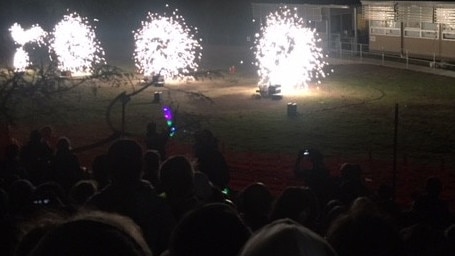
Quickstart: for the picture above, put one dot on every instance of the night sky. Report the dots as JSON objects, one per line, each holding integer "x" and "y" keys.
{"x": 218, "y": 21}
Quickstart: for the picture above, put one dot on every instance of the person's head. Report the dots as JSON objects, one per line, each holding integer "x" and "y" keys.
{"x": 176, "y": 176}
{"x": 364, "y": 222}
{"x": 124, "y": 159}
{"x": 63, "y": 144}
{"x": 46, "y": 132}
{"x": 152, "y": 162}
{"x": 20, "y": 194}
{"x": 286, "y": 237}
{"x": 93, "y": 233}
{"x": 82, "y": 191}
{"x": 100, "y": 170}
{"x": 213, "y": 229}
{"x": 297, "y": 203}
{"x": 255, "y": 199}
{"x": 352, "y": 172}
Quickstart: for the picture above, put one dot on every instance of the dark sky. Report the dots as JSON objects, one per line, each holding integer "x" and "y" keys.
{"x": 218, "y": 21}
{"x": 214, "y": 18}
{"x": 130, "y": 11}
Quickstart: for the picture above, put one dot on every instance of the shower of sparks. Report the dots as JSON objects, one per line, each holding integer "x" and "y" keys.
{"x": 75, "y": 45}
{"x": 21, "y": 37}
{"x": 286, "y": 52}
{"x": 166, "y": 46}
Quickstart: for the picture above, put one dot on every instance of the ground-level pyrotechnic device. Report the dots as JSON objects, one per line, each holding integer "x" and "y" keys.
{"x": 270, "y": 91}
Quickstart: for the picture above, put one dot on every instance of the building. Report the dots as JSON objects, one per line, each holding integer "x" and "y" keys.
{"x": 333, "y": 22}
{"x": 419, "y": 29}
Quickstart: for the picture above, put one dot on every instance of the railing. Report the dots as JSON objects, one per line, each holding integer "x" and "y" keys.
{"x": 361, "y": 52}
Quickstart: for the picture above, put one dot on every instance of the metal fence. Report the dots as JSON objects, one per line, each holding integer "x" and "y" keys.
{"x": 361, "y": 53}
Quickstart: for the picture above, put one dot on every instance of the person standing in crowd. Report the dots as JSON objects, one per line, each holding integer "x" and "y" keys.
{"x": 210, "y": 160}
{"x": 66, "y": 167}
{"x": 131, "y": 196}
{"x": 156, "y": 140}
{"x": 37, "y": 158}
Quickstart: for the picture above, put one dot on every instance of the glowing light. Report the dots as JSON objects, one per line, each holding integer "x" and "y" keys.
{"x": 169, "y": 120}
{"x": 76, "y": 46}
{"x": 21, "y": 60}
{"x": 21, "y": 37}
{"x": 287, "y": 53}
{"x": 165, "y": 45}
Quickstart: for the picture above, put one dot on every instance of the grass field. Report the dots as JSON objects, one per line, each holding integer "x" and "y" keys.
{"x": 349, "y": 118}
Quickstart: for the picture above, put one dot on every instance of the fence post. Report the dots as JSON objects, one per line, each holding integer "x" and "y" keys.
{"x": 407, "y": 59}
{"x": 341, "y": 49}
{"x": 434, "y": 60}
{"x": 395, "y": 150}
{"x": 361, "y": 53}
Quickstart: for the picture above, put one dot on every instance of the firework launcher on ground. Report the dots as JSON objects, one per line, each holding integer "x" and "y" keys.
{"x": 156, "y": 80}
{"x": 270, "y": 91}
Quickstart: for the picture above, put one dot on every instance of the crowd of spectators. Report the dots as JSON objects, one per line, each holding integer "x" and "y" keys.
{"x": 135, "y": 200}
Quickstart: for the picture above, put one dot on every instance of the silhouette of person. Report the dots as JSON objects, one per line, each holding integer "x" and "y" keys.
{"x": 210, "y": 160}
{"x": 177, "y": 184}
{"x": 36, "y": 157}
{"x": 134, "y": 197}
{"x": 254, "y": 203}
{"x": 351, "y": 183}
{"x": 363, "y": 230}
{"x": 310, "y": 167}
{"x": 213, "y": 229}
{"x": 92, "y": 233}
{"x": 287, "y": 238}
{"x": 100, "y": 171}
{"x": 152, "y": 162}
{"x": 429, "y": 207}
{"x": 156, "y": 140}
{"x": 11, "y": 169}
{"x": 66, "y": 167}
{"x": 47, "y": 137}
{"x": 81, "y": 192}
{"x": 299, "y": 204}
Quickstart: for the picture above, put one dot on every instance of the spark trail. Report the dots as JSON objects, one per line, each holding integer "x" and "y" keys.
{"x": 75, "y": 45}
{"x": 287, "y": 52}
{"x": 166, "y": 45}
{"x": 21, "y": 37}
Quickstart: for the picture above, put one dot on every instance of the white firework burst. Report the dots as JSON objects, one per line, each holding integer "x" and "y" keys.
{"x": 21, "y": 37}
{"x": 166, "y": 45}
{"x": 287, "y": 51}
{"x": 75, "y": 45}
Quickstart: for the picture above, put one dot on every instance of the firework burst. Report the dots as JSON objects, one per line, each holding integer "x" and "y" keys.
{"x": 75, "y": 45}
{"x": 165, "y": 45}
{"x": 22, "y": 37}
{"x": 286, "y": 52}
